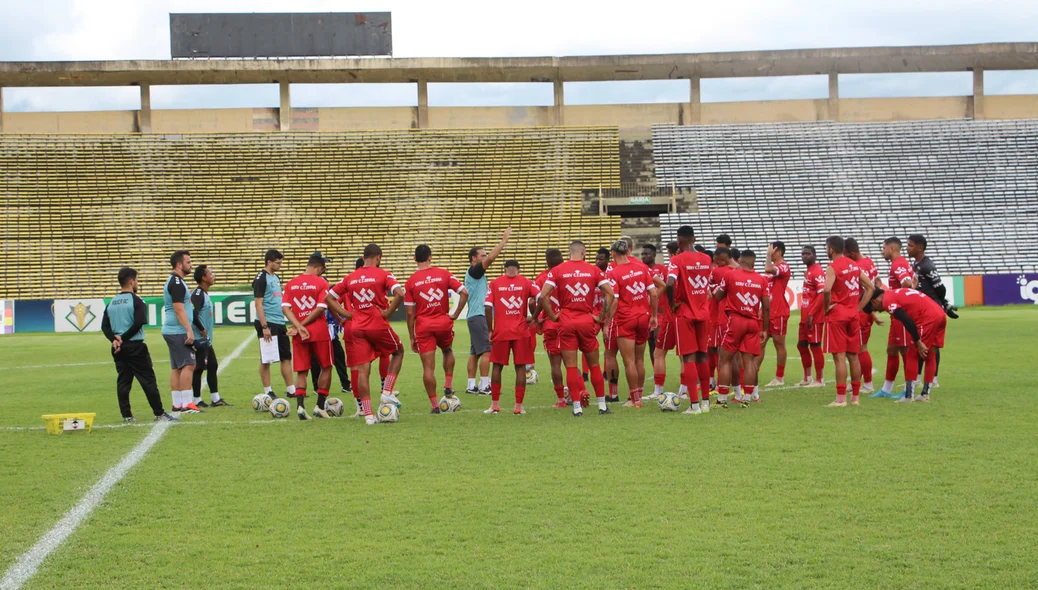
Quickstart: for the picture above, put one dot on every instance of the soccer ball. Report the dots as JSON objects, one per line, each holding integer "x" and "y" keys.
{"x": 388, "y": 413}
{"x": 531, "y": 377}
{"x": 450, "y": 404}
{"x": 280, "y": 408}
{"x": 261, "y": 403}
{"x": 333, "y": 406}
{"x": 669, "y": 401}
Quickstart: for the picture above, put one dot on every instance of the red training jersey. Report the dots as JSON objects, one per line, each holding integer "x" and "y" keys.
{"x": 744, "y": 290}
{"x": 632, "y": 285}
{"x": 846, "y": 290}
{"x": 812, "y": 295}
{"x": 427, "y": 292}
{"x": 916, "y": 304}
{"x": 869, "y": 268}
{"x": 510, "y": 299}
{"x": 554, "y": 299}
{"x": 717, "y": 308}
{"x": 901, "y": 274}
{"x": 368, "y": 289}
{"x": 691, "y": 271}
{"x": 303, "y": 295}
{"x": 663, "y": 308}
{"x": 574, "y": 281}
{"x": 777, "y": 284}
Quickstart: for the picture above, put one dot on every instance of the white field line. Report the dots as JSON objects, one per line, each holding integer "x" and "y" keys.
{"x": 26, "y": 566}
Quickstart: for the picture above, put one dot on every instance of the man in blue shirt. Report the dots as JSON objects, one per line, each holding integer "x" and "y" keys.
{"x": 479, "y": 334}
{"x": 177, "y": 332}
{"x": 203, "y": 324}
{"x": 270, "y": 321}
{"x": 123, "y": 324}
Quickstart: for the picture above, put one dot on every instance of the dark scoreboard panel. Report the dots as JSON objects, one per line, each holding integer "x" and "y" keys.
{"x": 280, "y": 34}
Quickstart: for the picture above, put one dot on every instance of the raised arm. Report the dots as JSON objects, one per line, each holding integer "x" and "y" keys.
{"x": 497, "y": 249}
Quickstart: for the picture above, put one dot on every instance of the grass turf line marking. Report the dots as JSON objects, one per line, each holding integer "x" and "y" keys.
{"x": 26, "y": 566}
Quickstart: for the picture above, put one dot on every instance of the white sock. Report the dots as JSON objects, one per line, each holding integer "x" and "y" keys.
{"x": 888, "y": 386}
{"x": 360, "y": 406}
{"x": 694, "y": 405}
{"x": 215, "y": 396}
{"x": 291, "y": 390}
{"x": 176, "y": 398}
{"x": 723, "y": 398}
{"x": 868, "y": 383}
{"x": 658, "y": 390}
{"x": 602, "y": 404}
{"x": 682, "y": 390}
{"x": 738, "y": 396}
{"x": 472, "y": 384}
{"x": 576, "y": 405}
{"x": 196, "y": 399}
{"x": 484, "y": 382}
{"x": 738, "y": 391}
{"x": 268, "y": 390}
{"x": 705, "y": 404}
{"x": 755, "y": 395}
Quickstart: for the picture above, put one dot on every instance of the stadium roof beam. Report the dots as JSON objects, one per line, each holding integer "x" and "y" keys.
{"x": 793, "y": 62}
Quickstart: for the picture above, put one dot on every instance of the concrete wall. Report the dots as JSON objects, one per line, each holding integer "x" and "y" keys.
{"x": 628, "y": 116}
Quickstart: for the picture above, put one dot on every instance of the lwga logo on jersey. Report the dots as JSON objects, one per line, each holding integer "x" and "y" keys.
{"x": 748, "y": 299}
{"x": 513, "y": 303}
{"x": 699, "y": 282}
{"x": 636, "y": 289}
{"x": 304, "y": 302}
{"x": 852, "y": 283}
{"x": 1028, "y": 289}
{"x": 364, "y": 295}
{"x": 579, "y": 289}
{"x": 432, "y": 295}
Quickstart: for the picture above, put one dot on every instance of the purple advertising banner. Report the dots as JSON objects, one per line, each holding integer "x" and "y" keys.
{"x": 1011, "y": 289}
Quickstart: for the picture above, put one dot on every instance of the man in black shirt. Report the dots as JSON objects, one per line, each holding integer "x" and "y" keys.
{"x": 928, "y": 282}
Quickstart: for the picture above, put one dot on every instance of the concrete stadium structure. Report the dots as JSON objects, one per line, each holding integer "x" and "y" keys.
{"x": 556, "y": 70}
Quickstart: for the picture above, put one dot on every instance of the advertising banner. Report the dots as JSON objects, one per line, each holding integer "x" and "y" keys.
{"x": 1011, "y": 289}
{"x": 78, "y": 315}
{"x": 34, "y": 315}
{"x": 229, "y": 309}
{"x": 6, "y": 316}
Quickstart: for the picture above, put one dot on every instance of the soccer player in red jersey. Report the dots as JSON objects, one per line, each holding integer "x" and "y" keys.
{"x": 901, "y": 276}
{"x": 666, "y": 331}
{"x": 778, "y": 273}
{"x": 812, "y": 316}
{"x": 549, "y": 329}
{"x": 865, "y": 320}
{"x": 604, "y": 263}
{"x": 305, "y": 300}
{"x": 430, "y": 321}
{"x": 369, "y": 288}
{"x": 634, "y": 315}
{"x": 925, "y": 320}
{"x": 574, "y": 281}
{"x": 648, "y": 258}
{"x": 842, "y": 300}
{"x": 746, "y": 299}
{"x": 688, "y": 280}
{"x": 718, "y": 314}
{"x": 509, "y": 297}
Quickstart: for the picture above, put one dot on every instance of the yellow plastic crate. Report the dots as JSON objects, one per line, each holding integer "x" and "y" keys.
{"x": 58, "y": 423}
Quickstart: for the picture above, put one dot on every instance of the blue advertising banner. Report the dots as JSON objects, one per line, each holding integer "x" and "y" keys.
{"x": 1011, "y": 289}
{"x": 34, "y": 315}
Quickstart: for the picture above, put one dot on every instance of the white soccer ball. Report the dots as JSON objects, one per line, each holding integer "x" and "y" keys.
{"x": 531, "y": 377}
{"x": 280, "y": 408}
{"x": 669, "y": 401}
{"x": 388, "y": 413}
{"x": 450, "y": 404}
{"x": 333, "y": 406}
{"x": 261, "y": 403}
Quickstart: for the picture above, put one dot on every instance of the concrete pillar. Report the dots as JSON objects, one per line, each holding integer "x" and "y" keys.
{"x": 423, "y": 104}
{"x": 695, "y": 103}
{"x": 1, "y": 109}
{"x": 285, "y": 110}
{"x": 978, "y": 94}
{"x": 144, "y": 116}
{"x": 834, "y": 96}
{"x": 560, "y": 103}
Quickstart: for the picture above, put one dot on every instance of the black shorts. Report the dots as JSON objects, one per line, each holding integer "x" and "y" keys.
{"x": 278, "y": 332}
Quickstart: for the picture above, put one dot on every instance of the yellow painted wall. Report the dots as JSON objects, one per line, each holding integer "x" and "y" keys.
{"x": 902, "y": 109}
{"x": 765, "y": 111}
{"x": 625, "y": 116}
{"x": 346, "y": 119}
{"x": 446, "y": 117}
{"x": 1011, "y": 107}
{"x": 72, "y": 122}
{"x": 201, "y": 120}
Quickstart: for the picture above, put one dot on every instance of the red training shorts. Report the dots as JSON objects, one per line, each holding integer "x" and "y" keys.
{"x": 742, "y": 335}
{"x": 369, "y": 345}
{"x": 551, "y": 340}
{"x": 898, "y": 335}
{"x": 430, "y": 341}
{"x": 633, "y": 328}
{"x": 581, "y": 335}
{"x": 691, "y": 335}
{"x": 812, "y": 335}
{"x": 842, "y": 337}
{"x": 667, "y": 336}
{"x": 778, "y": 326}
{"x": 302, "y": 349}
{"x": 932, "y": 334}
{"x": 520, "y": 350}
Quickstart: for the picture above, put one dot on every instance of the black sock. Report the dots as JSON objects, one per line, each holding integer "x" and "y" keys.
{"x": 320, "y": 400}
{"x": 910, "y": 388}
{"x": 926, "y": 389}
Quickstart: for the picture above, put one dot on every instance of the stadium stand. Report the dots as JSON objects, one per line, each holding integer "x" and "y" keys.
{"x": 77, "y": 207}
{"x": 970, "y": 186}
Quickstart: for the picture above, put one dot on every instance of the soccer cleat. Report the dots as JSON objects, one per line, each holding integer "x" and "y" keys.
{"x": 192, "y": 407}
{"x": 319, "y": 413}
{"x": 776, "y": 382}
{"x": 722, "y": 404}
{"x": 472, "y": 391}
{"x": 867, "y": 387}
{"x": 755, "y": 400}
{"x": 561, "y": 404}
{"x": 370, "y": 420}
{"x": 448, "y": 392}
{"x": 166, "y": 417}
{"x": 435, "y": 410}
{"x": 807, "y": 381}
{"x": 602, "y": 412}
{"x": 202, "y": 404}
{"x": 744, "y": 403}
{"x": 904, "y": 400}
{"x": 816, "y": 384}
{"x": 221, "y": 403}
{"x": 301, "y": 412}
{"x": 693, "y": 410}
{"x": 187, "y": 410}
{"x": 837, "y": 404}
{"x": 359, "y": 414}
{"x": 899, "y": 396}
{"x": 518, "y": 411}
{"x": 129, "y": 420}
{"x": 628, "y": 404}
{"x": 484, "y": 391}
{"x": 854, "y": 401}
{"x": 704, "y": 406}
{"x": 935, "y": 383}
{"x": 613, "y": 400}
{"x": 578, "y": 413}
{"x": 492, "y": 410}
{"x": 585, "y": 400}
{"x": 882, "y": 393}
{"x": 925, "y": 398}
{"x": 346, "y": 390}
{"x": 389, "y": 398}
{"x": 654, "y": 396}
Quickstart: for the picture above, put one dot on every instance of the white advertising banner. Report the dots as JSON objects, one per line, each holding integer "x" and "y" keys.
{"x": 78, "y": 315}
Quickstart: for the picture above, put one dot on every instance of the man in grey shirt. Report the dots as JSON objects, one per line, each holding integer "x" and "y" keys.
{"x": 928, "y": 282}
{"x": 479, "y": 336}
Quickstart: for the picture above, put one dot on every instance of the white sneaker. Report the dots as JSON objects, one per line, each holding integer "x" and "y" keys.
{"x": 654, "y": 396}
{"x": 370, "y": 420}
{"x": 776, "y": 382}
{"x": 704, "y": 406}
{"x": 816, "y": 384}
{"x": 531, "y": 377}
{"x": 390, "y": 398}
{"x": 319, "y": 413}
{"x": 492, "y": 410}
{"x": 868, "y": 387}
{"x": 301, "y": 412}
{"x": 683, "y": 395}
{"x": 807, "y": 381}
{"x": 693, "y": 410}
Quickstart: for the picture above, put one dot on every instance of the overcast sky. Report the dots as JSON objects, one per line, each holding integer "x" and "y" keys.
{"x": 44, "y": 30}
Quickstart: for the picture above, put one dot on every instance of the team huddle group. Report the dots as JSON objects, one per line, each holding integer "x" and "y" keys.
{"x": 711, "y": 307}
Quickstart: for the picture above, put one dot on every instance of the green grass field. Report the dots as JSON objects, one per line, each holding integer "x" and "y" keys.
{"x": 786, "y": 493}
